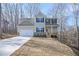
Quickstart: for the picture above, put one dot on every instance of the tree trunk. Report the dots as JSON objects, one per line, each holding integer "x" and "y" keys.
{"x": 0, "y": 21}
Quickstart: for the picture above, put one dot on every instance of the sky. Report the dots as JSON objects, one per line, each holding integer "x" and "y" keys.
{"x": 45, "y": 8}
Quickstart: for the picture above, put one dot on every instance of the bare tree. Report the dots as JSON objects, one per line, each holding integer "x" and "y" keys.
{"x": 58, "y": 12}
{"x": 76, "y": 15}
{"x": 33, "y": 9}
{"x": 0, "y": 21}
{"x": 16, "y": 16}
{"x": 21, "y": 11}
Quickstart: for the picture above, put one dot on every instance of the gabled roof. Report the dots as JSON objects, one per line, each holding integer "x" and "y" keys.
{"x": 26, "y": 22}
{"x": 40, "y": 14}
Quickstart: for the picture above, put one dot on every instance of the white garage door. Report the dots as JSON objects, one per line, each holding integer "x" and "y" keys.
{"x": 26, "y": 33}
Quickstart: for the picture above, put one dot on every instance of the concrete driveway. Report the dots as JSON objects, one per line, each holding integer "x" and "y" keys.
{"x": 8, "y": 46}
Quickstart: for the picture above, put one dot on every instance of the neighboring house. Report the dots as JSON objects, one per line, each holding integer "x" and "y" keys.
{"x": 38, "y": 26}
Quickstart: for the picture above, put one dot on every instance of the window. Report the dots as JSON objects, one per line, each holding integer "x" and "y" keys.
{"x": 39, "y": 19}
{"x": 47, "y": 21}
{"x": 54, "y": 21}
{"x": 39, "y": 29}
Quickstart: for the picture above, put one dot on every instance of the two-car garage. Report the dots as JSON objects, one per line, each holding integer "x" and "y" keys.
{"x": 26, "y": 31}
{"x": 26, "y": 27}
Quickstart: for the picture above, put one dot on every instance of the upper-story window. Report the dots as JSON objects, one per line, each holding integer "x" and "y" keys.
{"x": 54, "y": 21}
{"x": 39, "y": 19}
{"x": 47, "y": 21}
{"x": 50, "y": 21}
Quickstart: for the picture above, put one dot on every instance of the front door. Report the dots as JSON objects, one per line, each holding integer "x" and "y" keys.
{"x": 48, "y": 31}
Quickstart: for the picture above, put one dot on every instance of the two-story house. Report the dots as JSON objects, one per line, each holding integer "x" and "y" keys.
{"x": 38, "y": 26}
